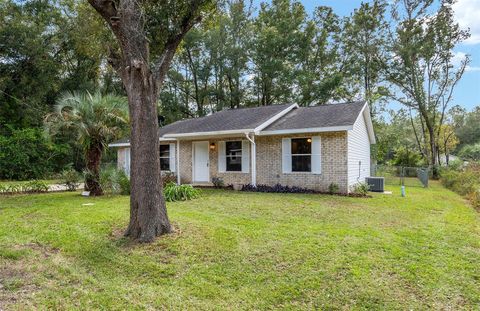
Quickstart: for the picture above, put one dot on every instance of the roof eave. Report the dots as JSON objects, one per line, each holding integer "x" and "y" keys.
{"x": 308, "y": 130}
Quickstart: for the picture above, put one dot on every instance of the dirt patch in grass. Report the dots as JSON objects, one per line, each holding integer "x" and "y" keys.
{"x": 17, "y": 274}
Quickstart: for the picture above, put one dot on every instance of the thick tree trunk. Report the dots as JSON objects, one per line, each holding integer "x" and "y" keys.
{"x": 148, "y": 213}
{"x": 92, "y": 180}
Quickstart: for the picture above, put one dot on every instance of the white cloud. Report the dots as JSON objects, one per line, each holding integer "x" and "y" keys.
{"x": 472, "y": 68}
{"x": 467, "y": 14}
{"x": 457, "y": 59}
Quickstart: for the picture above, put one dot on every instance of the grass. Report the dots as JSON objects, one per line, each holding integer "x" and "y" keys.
{"x": 234, "y": 250}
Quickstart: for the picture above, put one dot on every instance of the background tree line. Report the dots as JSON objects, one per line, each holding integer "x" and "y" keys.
{"x": 245, "y": 56}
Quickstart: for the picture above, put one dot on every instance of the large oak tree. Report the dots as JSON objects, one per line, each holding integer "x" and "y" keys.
{"x": 147, "y": 34}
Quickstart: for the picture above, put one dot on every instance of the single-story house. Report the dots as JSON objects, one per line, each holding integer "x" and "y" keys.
{"x": 309, "y": 147}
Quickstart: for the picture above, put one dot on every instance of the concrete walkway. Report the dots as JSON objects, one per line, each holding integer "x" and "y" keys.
{"x": 60, "y": 187}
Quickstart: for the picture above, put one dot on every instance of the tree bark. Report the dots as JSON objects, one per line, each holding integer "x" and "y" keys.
{"x": 148, "y": 213}
{"x": 92, "y": 180}
{"x": 142, "y": 80}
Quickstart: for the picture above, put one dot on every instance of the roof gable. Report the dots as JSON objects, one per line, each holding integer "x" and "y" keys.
{"x": 226, "y": 120}
{"x": 325, "y": 116}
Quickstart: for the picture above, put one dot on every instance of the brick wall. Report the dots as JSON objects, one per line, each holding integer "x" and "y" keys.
{"x": 227, "y": 177}
{"x": 334, "y": 163}
{"x": 269, "y": 163}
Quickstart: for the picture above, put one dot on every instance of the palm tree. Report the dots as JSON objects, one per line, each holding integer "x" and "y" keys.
{"x": 95, "y": 120}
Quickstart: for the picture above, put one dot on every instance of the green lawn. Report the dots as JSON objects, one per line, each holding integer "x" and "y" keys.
{"x": 235, "y": 250}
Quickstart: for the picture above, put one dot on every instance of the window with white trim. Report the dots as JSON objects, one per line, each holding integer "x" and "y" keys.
{"x": 233, "y": 156}
{"x": 301, "y": 154}
{"x": 165, "y": 157}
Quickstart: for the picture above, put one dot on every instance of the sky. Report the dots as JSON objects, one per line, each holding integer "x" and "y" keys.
{"x": 467, "y": 13}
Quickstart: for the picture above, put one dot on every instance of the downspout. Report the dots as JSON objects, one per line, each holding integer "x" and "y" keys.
{"x": 253, "y": 157}
{"x": 178, "y": 161}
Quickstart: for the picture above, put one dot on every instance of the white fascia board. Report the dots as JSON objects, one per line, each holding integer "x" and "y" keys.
{"x": 206, "y": 134}
{"x": 128, "y": 144}
{"x": 365, "y": 113}
{"x": 308, "y": 130}
{"x": 275, "y": 118}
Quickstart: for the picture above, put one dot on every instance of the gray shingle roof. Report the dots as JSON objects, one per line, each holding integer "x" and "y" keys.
{"x": 318, "y": 116}
{"x": 249, "y": 118}
{"x": 225, "y": 120}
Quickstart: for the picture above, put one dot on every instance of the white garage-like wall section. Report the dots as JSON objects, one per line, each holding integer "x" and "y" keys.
{"x": 359, "y": 140}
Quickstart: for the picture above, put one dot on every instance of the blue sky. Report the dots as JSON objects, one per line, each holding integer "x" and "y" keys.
{"x": 467, "y": 93}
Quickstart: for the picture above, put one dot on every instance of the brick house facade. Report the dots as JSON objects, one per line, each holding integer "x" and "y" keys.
{"x": 343, "y": 156}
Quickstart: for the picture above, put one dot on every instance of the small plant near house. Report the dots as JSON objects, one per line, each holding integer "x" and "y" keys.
{"x": 218, "y": 182}
{"x": 361, "y": 189}
{"x": 275, "y": 189}
{"x": 70, "y": 178}
{"x": 124, "y": 183}
{"x": 333, "y": 188}
{"x": 174, "y": 192}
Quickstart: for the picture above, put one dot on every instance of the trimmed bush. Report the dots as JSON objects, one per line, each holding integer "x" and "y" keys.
{"x": 174, "y": 192}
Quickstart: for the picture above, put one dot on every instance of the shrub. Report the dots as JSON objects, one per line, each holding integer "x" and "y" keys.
{"x": 174, "y": 192}
{"x": 361, "y": 189}
{"x": 114, "y": 181}
{"x": 464, "y": 181}
{"x": 218, "y": 182}
{"x": 70, "y": 178}
{"x": 333, "y": 188}
{"x": 275, "y": 189}
{"x": 124, "y": 183}
{"x": 27, "y": 154}
{"x": 470, "y": 152}
{"x": 35, "y": 186}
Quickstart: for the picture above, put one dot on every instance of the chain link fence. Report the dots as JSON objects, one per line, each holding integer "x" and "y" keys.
{"x": 401, "y": 175}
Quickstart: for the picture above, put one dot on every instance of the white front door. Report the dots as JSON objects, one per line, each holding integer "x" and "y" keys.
{"x": 200, "y": 162}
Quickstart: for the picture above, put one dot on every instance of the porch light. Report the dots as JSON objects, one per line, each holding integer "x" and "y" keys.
{"x": 212, "y": 146}
{"x": 309, "y": 140}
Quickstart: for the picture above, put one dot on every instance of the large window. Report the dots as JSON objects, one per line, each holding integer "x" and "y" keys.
{"x": 165, "y": 157}
{"x": 301, "y": 154}
{"x": 233, "y": 156}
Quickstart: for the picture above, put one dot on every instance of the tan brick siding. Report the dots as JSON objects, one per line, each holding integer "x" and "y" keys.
{"x": 186, "y": 158}
{"x": 334, "y": 163}
{"x": 269, "y": 163}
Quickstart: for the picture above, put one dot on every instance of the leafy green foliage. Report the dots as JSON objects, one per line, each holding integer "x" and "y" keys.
{"x": 361, "y": 189}
{"x": 464, "y": 180}
{"x": 33, "y": 186}
{"x": 27, "y": 154}
{"x": 470, "y": 152}
{"x": 70, "y": 178}
{"x": 114, "y": 181}
{"x": 174, "y": 192}
{"x": 333, "y": 188}
{"x": 406, "y": 157}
